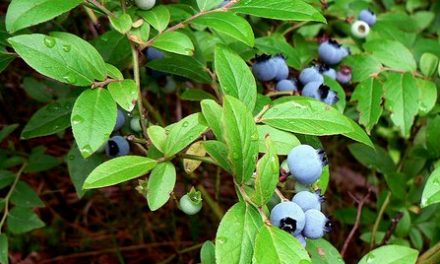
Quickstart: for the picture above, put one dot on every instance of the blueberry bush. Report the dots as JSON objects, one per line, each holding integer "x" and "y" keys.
{"x": 211, "y": 131}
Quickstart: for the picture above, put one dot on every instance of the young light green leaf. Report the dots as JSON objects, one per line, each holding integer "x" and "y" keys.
{"x": 276, "y": 246}
{"x": 24, "y": 196}
{"x": 228, "y": 24}
{"x": 61, "y": 56}
{"x": 118, "y": 170}
{"x": 114, "y": 72}
{"x": 401, "y": 99}
{"x": 241, "y": 137}
{"x": 368, "y": 94}
{"x": 427, "y": 95}
{"x": 392, "y": 53}
{"x": 212, "y": 112}
{"x": 235, "y": 239}
{"x": 362, "y": 66}
{"x": 196, "y": 95}
{"x": 158, "y": 136}
{"x": 236, "y": 79}
{"x": 207, "y": 253}
{"x": 22, "y": 220}
{"x": 218, "y": 152}
{"x": 390, "y": 254}
{"x": 428, "y": 64}
{"x": 323, "y": 252}
{"x": 140, "y": 34}
{"x": 358, "y": 134}
{"x": 174, "y": 42}
{"x": 266, "y": 179}
{"x": 158, "y": 17}
{"x": 49, "y": 120}
{"x": 205, "y": 5}
{"x": 283, "y": 142}
{"x": 160, "y": 185}
{"x": 122, "y": 23}
{"x": 25, "y": 13}
{"x": 125, "y": 93}
{"x": 431, "y": 192}
{"x": 6, "y": 131}
{"x": 183, "y": 133}
{"x": 93, "y": 119}
{"x": 4, "y": 258}
{"x": 279, "y": 9}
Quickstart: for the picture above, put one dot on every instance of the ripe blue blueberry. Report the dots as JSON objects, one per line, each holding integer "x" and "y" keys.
{"x": 368, "y": 17}
{"x": 264, "y": 68}
{"x": 286, "y": 86}
{"x": 311, "y": 89}
{"x": 135, "y": 124}
{"x": 329, "y": 97}
{"x": 308, "y": 200}
{"x": 154, "y": 54}
{"x": 316, "y": 224}
{"x": 289, "y": 217}
{"x": 191, "y": 204}
{"x": 281, "y": 67}
{"x": 331, "y": 52}
{"x": 305, "y": 163}
{"x": 344, "y": 75}
{"x": 117, "y": 146}
{"x": 310, "y": 74}
{"x": 320, "y": 92}
{"x": 360, "y": 29}
{"x": 301, "y": 240}
{"x": 120, "y": 120}
{"x": 145, "y": 4}
{"x": 327, "y": 71}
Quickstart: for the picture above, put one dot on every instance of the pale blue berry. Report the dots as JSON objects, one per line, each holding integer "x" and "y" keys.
{"x": 310, "y": 74}
{"x": 281, "y": 67}
{"x": 368, "y": 17}
{"x": 286, "y": 86}
{"x": 301, "y": 239}
{"x": 264, "y": 68}
{"x": 120, "y": 120}
{"x": 308, "y": 200}
{"x": 289, "y": 217}
{"x": 117, "y": 146}
{"x": 306, "y": 163}
{"x": 316, "y": 224}
{"x": 145, "y": 4}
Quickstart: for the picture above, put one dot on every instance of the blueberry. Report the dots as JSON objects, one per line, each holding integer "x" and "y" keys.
{"x": 344, "y": 75}
{"x": 224, "y": 3}
{"x": 301, "y": 240}
{"x": 327, "y": 71}
{"x": 190, "y": 205}
{"x": 360, "y": 29}
{"x": 331, "y": 98}
{"x": 320, "y": 92}
{"x": 316, "y": 224}
{"x": 308, "y": 200}
{"x": 305, "y": 163}
{"x": 330, "y": 52}
{"x": 289, "y": 217}
{"x": 145, "y": 4}
{"x": 286, "y": 86}
{"x": 310, "y": 74}
{"x": 264, "y": 68}
{"x": 281, "y": 67}
{"x": 135, "y": 124}
{"x": 120, "y": 120}
{"x": 117, "y": 146}
{"x": 154, "y": 54}
{"x": 368, "y": 17}
{"x": 311, "y": 89}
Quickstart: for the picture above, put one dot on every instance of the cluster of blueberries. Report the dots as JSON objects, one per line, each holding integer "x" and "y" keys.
{"x": 302, "y": 216}
{"x": 269, "y": 68}
{"x": 361, "y": 27}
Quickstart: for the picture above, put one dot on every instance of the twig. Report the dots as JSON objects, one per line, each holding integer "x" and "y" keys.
{"x": 280, "y": 195}
{"x": 104, "y": 83}
{"x": 137, "y": 78}
{"x": 393, "y": 227}
{"x": 356, "y": 223}
{"x": 431, "y": 256}
{"x": 379, "y": 217}
{"x": 218, "y": 211}
{"x": 261, "y": 114}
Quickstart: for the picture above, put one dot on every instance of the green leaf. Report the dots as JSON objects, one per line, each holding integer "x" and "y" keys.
{"x": 158, "y": 137}
{"x": 196, "y": 95}
{"x": 390, "y": 254}
{"x": 432, "y": 138}
{"x": 368, "y": 94}
{"x": 114, "y": 48}
{"x": 22, "y": 220}
{"x": 93, "y": 119}
{"x": 118, "y": 170}
{"x": 276, "y": 246}
{"x": 114, "y": 72}
{"x": 218, "y": 152}
{"x": 61, "y": 56}
{"x": 25, "y": 13}
{"x": 236, "y": 79}
{"x": 266, "y": 179}
{"x": 125, "y": 93}
{"x": 279, "y": 9}
{"x": 79, "y": 168}
{"x": 402, "y": 96}
{"x": 183, "y": 133}
{"x": 307, "y": 116}
{"x": 37, "y": 90}
{"x": 276, "y": 44}
{"x": 391, "y": 53}
{"x": 283, "y": 142}
{"x": 158, "y": 17}
{"x": 160, "y": 185}
{"x": 323, "y": 252}
{"x": 228, "y": 24}
{"x": 5, "y": 59}
{"x": 174, "y": 42}
{"x": 140, "y": 34}
{"x": 358, "y": 134}
{"x": 38, "y": 161}
{"x": 428, "y": 64}
{"x": 121, "y": 23}
{"x": 235, "y": 239}
{"x": 24, "y": 196}
{"x": 6, "y": 178}
{"x": 205, "y": 5}
{"x": 6, "y": 131}
{"x": 362, "y": 66}
{"x": 184, "y": 66}
{"x": 376, "y": 158}
{"x": 427, "y": 95}
{"x": 212, "y": 112}
{"x": 241, "y": 137}
{"x": 4, "y": 249}
{"x": 49, "y": 120}
{"x": 207, "y": 253}
{"x": 431, "y": 192}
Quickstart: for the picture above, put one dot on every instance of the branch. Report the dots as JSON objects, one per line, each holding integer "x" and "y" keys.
{"x": 393, "y": 227}
{"x": 379, "y": 217}
{"x": 138, "y": 85}
{"x": 100, "y": 7}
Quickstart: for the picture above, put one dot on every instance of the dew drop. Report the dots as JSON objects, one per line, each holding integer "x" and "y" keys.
{"x": 49, "y": 42}
{"x": 185, "y": 124}
{"x": 221, "y": 240}
{"x": 70, "y": 78}
{"x": 54, "y": 107}
{"x": 77, "y": 120}
{"x": 71, "y": 157}
{"x": 254, "y": 137}
{"x": 67, "y": 47}
{"x": 87, "y": 150}
{"x": 56, "y": 127}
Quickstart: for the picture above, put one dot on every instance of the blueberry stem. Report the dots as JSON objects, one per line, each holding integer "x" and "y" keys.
{"x": 259, "y": 116}
{"x": 281, "y": 196}
{"x": 101, "y": 7}
{"x": 218, "y": 211}
{"x": 378, "y": 219}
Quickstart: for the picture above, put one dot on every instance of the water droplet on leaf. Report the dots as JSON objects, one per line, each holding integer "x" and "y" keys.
{"x": 49, "y": 42}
